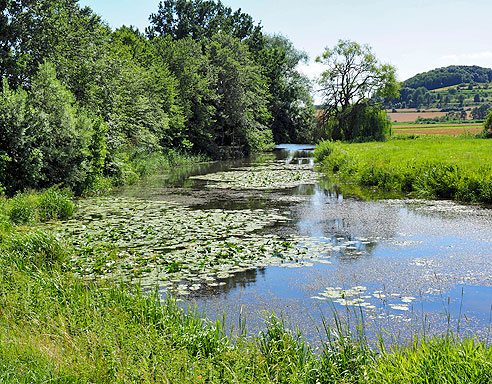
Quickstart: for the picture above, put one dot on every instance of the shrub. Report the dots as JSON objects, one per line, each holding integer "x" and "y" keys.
{"x": 43, "y": 249}
{"x": 54, "y": 204}
{"x": 22, "y": 208}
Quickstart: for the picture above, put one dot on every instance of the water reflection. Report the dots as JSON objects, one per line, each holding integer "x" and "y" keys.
{"x": 408, "y": 255}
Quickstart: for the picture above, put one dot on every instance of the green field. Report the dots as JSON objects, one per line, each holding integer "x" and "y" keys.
{"x": 441, "y": 167}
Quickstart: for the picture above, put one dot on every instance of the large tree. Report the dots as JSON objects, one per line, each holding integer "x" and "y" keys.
{"x": 290, "y": 100}
{"x": 354, "y": 79}
{"x": 200, "y": 19}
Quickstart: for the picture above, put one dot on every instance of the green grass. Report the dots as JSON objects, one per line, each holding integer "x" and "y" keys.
{"x": 55, "y": 327}
{"x": 29, "y": 207}
{"x": 443, "y": 167}
{"x": 129, "y": 167}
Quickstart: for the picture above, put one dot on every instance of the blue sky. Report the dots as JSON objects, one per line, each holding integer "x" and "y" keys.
{"x": 414, "y": 36}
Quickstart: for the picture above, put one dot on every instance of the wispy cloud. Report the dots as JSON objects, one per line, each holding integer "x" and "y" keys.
{"x": 478, "y": 56}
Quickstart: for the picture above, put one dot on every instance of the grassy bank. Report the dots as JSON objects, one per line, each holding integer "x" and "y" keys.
{"x": 54, "y": 327}
{"x": 443, "y": 167}
{"x": 129, "y": 167}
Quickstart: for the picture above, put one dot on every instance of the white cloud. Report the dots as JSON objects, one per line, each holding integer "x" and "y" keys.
{"x": 468, "y": 57}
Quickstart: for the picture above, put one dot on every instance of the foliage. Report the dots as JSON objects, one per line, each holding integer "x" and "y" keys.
{"x": 487, "y": 126}
{"x": 480, "y": 112}
{"x": 290, "y": 101}
{"x": 79, "y": 100}
{"x": 54, "y": 204}
{"x": 449, "y": 76}
{"x": 28, "y": 207}
{"x": 39, "y": 248}
{"x": 44, "y": 135}
{"x": 353, "y": 79}
{"x": 429, "y": 167}
{"x": 439, "y": 359}
{"x": 368, "y": 123}
{"x": 200, "y": 19}
{"x": 192, "y": 71}
{"x": 241, "y": 106}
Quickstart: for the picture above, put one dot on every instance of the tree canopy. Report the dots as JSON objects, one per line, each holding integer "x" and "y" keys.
{"x": 201, "y": 78}
{"x": 449, "y": 76}
{"x": 353, "y": 79}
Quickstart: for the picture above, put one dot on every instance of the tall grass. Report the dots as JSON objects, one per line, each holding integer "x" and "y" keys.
{"x": 450, "y": 168}
{"x": 127, "y": 168}
{"x": 55, "y": 327}
{"x": 29, "y": 207}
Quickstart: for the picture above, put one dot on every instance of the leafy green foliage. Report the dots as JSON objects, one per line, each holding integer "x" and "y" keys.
{"x": 449, "y": 76}
{"x": 81, "y": 102}
{"x": 352, "y": 81}
{"x": 241, "y": 108}
{"x": 487, "y": 126}
{"x": 290, "y": 101}
{"x": 200, "y": 19}
{"x": 368, "y": 123}
{"x": 480, "y": 112}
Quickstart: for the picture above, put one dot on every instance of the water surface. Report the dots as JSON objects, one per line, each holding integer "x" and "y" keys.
{"x": 403, "y": 265}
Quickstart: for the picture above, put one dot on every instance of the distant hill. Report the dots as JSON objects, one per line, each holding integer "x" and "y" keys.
{"x": 449, "y": 76}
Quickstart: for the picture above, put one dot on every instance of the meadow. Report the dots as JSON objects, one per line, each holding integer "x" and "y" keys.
{"x": 456, "y": 168}
{"x": 437, "y": 129}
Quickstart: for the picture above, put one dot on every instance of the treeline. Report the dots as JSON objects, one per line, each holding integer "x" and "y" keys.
{"x": 449, "y": 76}
{"x": 80, "y": 101}
{"x": 451, "y": 99}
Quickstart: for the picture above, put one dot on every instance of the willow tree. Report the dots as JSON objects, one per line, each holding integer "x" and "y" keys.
{"x": 352, "y": 83}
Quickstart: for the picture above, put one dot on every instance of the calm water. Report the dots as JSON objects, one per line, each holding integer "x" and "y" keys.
{"x": 403, "y": 265}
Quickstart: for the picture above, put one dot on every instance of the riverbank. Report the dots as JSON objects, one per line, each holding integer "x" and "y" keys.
{"x": 55, "y": 326}
{"x": 444, "y": 167}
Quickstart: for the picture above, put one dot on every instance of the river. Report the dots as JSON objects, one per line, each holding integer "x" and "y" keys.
{"x": 243, "y": 238}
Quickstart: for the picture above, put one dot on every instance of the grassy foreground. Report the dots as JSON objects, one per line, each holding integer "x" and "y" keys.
{"x": 440, "y": 167}
{"x": 56, "y": 328}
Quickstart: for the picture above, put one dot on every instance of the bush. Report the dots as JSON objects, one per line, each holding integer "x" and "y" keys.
{"x": 359, "y": 123}
{"x": 54, "y": 204}
{"x": 487, "y": 126}
{"x": 22, "y": 208}
{"x": 42, "y": 249}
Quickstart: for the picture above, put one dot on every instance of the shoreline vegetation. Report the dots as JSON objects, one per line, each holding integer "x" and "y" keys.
{"x": 85, "y": 108}
{"x": 456, "y": 168}
{"x": 56, "y": 327}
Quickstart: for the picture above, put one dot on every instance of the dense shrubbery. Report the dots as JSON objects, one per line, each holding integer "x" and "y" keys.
{"x": 368, "y": 123}
{"x": 422, "y": 167}
{"x": 79, "y": 100}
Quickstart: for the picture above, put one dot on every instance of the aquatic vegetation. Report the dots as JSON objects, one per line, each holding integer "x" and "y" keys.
{"x": 271, "y": 175}
{"x": 359, "y": 296}
{"x": 178, "y": 248}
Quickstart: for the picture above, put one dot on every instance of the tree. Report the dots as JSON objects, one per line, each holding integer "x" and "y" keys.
{"x": 487, "y": 126}
{"x": 241, "y": 113}
{"x": 481, "y": 112}
{"x": 200, "y": 19}
{"x": 353, "y": 78}
{"x": 290, "y": 101}
{"x": 44, "y": 136}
